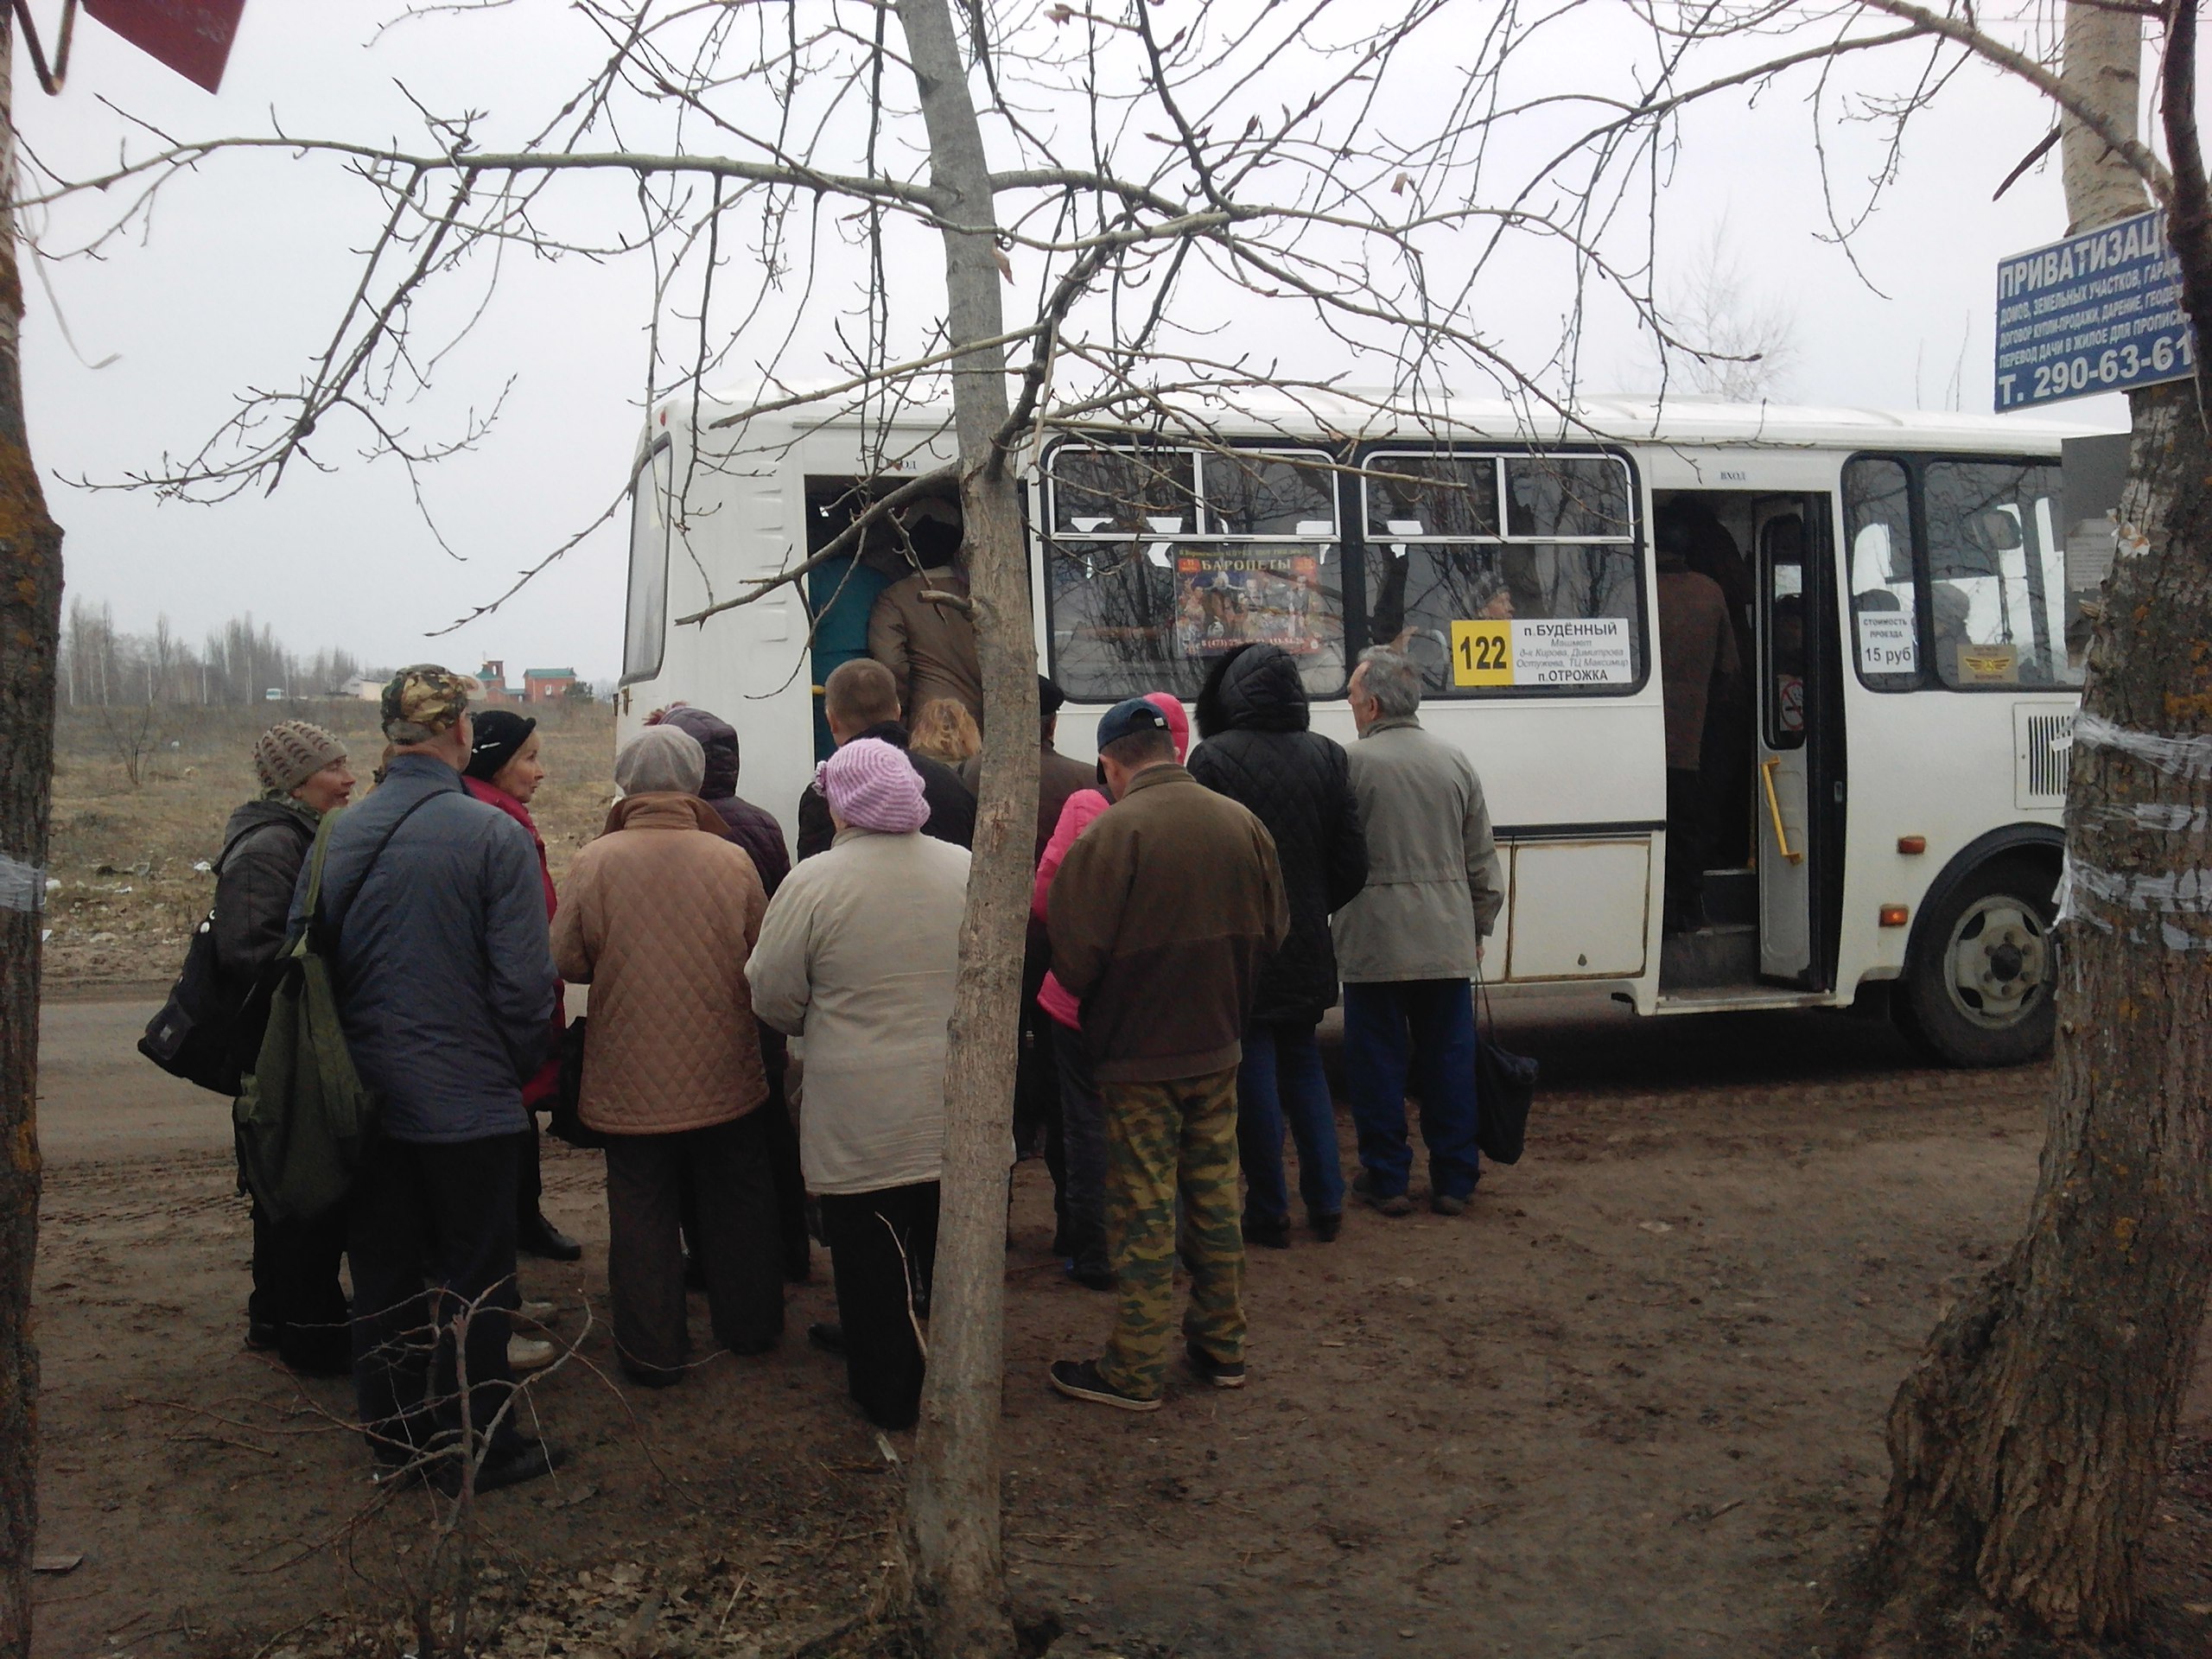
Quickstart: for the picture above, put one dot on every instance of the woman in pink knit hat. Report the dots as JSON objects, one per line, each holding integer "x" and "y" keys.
{"x": 857, "y": 958}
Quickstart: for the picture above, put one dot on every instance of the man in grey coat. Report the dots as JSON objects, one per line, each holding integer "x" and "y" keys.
{"x": 434, "y": 910}
{"x": 1410, "y": 944}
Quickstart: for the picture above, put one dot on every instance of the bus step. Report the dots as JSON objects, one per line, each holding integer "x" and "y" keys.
{"x": 1731, "y": 898}
{"x": 1709, "y": 956}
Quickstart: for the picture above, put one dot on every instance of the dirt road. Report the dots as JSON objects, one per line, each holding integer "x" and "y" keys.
{"x": 1629, "y": 1406}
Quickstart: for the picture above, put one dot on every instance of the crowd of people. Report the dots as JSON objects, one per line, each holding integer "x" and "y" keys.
{"x": 764, "y": 1052}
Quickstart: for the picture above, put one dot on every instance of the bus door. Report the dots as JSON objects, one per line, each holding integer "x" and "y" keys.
{"x": 1795, "y": 739}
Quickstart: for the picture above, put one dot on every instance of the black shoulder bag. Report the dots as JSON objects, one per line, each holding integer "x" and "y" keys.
{"x": 1505, "y": 1088}
{"x": 201, "y": 1034}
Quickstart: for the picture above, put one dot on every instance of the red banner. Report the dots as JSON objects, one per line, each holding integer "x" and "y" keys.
{"x": 191, "y": 36}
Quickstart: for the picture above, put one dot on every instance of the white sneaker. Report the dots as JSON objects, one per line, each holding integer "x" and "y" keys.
{"x": 529, "y": 1354}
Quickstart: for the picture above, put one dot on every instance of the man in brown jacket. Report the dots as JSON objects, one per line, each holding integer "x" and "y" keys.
{"x": 1161, "y": 918}
{"x": 1697, "y": 668}
{"x": 920, "y": 628}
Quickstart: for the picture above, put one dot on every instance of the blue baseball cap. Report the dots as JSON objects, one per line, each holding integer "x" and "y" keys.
{"x": 1129, "y": 716}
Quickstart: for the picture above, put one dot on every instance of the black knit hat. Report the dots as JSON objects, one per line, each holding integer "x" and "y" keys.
{"x": 500, "y": 734}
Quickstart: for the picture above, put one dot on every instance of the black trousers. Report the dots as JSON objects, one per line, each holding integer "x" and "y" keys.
{"x": 783, "y": 1160}
{"x": 728, "y": 1167}
{"x": 451, "y": 1205}
{"x": 530, "y": 1180}
{"x": 783, "y": 1166}
{"x": 295, "y": 1288}
{"x": 1688, "y": 816}
{"x": 883, "y": 1246}
{"x": 1036, "y": 1076}
{"x": 1079, "y": 1177}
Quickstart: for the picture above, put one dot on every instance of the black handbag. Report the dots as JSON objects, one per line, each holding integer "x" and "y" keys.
{"x": 1505, "y": 1087}
{"x": 195, "y": 1035}
{"x": 210, "y": 1029}
{"x": 564, "y": 1123}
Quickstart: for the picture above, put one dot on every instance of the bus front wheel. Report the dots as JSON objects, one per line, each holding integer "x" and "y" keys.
{"x": 1980, "y": 986}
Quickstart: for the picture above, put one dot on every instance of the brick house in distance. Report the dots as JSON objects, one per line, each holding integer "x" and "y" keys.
{"x": 493, "y": 677}
{"x": 547, "y": 684}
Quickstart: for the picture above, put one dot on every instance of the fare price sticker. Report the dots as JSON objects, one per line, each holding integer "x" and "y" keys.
{"x": 1481, "y": 653}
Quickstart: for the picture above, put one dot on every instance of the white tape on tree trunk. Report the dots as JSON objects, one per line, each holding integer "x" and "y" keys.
{"x": 2188, "y": 756}
{"x": 2180, "y": 893}
{"x": 23, "y": 887}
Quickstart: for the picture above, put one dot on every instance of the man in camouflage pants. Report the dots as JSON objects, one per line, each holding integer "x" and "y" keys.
{"x": 1160, "y": 918}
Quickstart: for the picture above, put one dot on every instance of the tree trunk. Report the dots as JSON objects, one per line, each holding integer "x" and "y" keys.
{"x": 953, "y": 1510}
{"x": 30, "y": 637}
{"x": 2028, "y": 1443}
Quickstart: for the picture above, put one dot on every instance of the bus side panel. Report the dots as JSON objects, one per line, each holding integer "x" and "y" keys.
{"x": 747, "y": 664}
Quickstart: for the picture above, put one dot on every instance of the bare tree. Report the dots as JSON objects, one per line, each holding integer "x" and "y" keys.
{"x": 1144, "y": 179}
{"x": 1734, "y": 344}
{"x": 31, "y": 638}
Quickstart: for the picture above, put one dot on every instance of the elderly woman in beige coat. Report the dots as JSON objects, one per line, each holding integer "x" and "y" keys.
{"x": 858, "y": 957}
{"x": 658, "y": 917}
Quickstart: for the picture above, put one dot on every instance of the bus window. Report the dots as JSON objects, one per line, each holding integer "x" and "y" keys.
{"x": 1492, "y": 611}
{"x": 1556, "y": 497}
{"x": 1432, "y": 495}
{"x": 645, "y": 628}
{"x": 1136, "y": 491}
{"x": 1877, "y": 528}
{"x": 1998, "y": 576}
{"x": 1142, "y": 595}
{"x": 1784, "y": 707}
{"x": 1264, "y": 495}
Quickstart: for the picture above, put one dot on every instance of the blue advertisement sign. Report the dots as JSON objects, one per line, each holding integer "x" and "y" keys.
{"x": 2098, "y": 311}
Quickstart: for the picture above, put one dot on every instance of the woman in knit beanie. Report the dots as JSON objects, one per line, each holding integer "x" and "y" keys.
{"x": 870, "y": 785}
{"x": 859, "y": 954}
{"x": 297, "y": 762}
{"x": 297, "y": 1308}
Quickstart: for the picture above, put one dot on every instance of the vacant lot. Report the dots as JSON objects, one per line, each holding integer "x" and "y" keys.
{"x": 128, "y": 853}
{"x": 1629, "y": 1406}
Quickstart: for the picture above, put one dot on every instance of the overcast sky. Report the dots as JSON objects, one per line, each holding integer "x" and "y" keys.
{"x": 245, "y": 267}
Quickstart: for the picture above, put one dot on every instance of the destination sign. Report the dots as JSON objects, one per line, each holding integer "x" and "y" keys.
{"x": 2098, "y": 311}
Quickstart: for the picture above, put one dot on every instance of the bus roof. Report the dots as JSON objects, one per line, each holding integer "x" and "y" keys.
{"x": 1626, "y": 418}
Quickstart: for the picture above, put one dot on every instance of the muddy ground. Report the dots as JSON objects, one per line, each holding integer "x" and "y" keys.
{"x": 1629, "y": 1406}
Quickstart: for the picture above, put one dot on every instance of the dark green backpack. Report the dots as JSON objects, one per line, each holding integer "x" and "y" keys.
{"x": 305, "y": 1120}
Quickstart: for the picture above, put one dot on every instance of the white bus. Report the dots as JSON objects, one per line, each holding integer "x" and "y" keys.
{"x": 1883, "y": 799}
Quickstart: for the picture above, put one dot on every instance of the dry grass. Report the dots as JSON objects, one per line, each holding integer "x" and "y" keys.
{"x": 128, "y": 856}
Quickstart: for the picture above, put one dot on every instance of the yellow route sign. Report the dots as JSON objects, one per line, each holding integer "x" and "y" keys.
{"x": 1481, "y": 653}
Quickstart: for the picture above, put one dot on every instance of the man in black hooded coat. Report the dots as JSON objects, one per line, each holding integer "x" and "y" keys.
{"x": 1253, "y": 715}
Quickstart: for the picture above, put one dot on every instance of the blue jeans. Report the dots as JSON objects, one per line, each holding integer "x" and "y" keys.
{"x": 1438, "y": 1015}
{"x": 1280, "y": 1079}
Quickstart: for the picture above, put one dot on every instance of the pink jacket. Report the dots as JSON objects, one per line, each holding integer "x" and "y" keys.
{"x": 1078, "y": 816}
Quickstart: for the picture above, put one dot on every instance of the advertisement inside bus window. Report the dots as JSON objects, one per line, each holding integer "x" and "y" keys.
{"x": 1249, "y": 596}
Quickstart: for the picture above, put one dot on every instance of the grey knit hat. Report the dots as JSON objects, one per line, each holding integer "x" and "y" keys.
{"x": 291, "y": 751}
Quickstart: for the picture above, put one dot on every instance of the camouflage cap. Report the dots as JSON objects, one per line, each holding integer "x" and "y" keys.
{"x": 425, "y": 699}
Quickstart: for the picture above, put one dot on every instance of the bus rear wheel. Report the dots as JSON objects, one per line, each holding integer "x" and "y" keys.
{"x": 1979, "y": 990}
